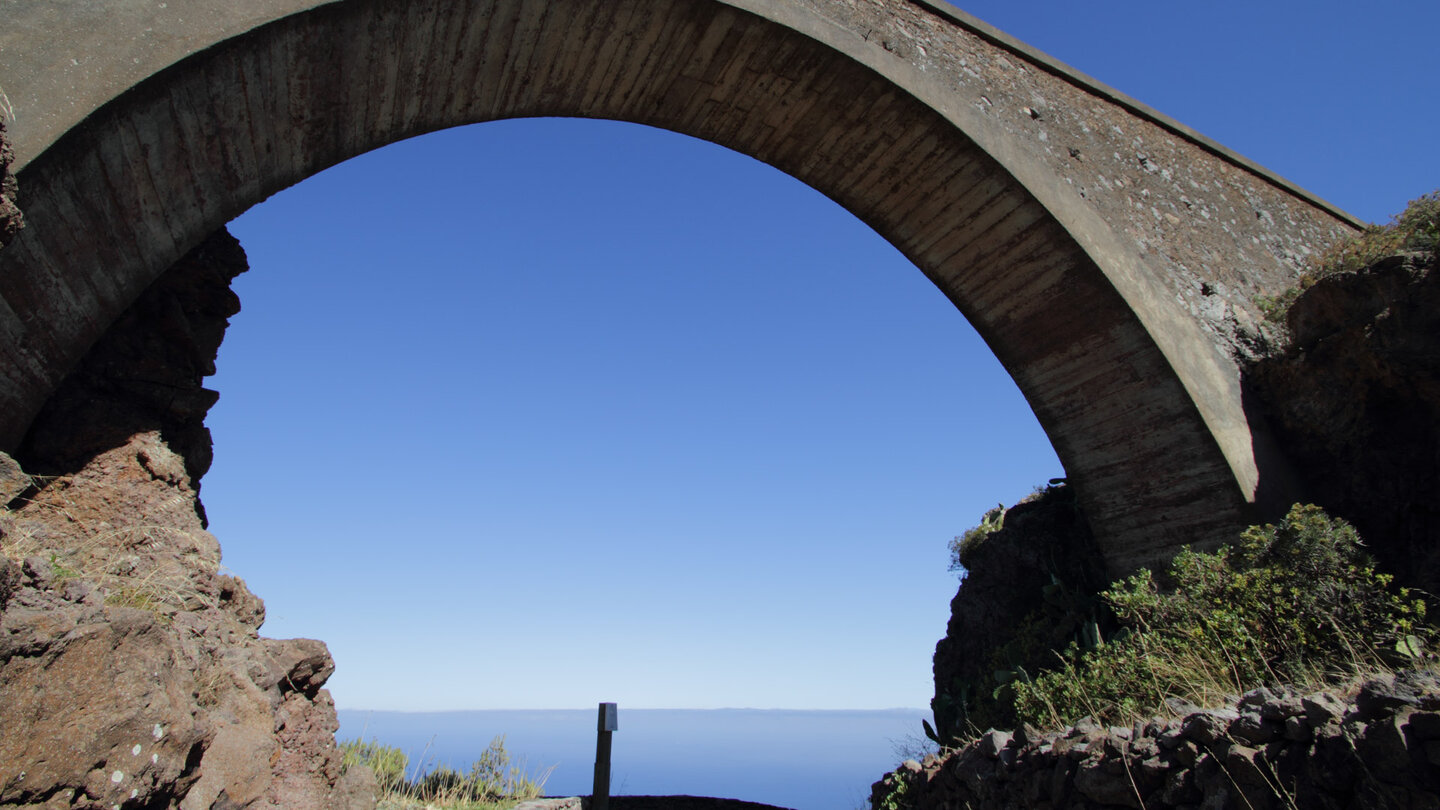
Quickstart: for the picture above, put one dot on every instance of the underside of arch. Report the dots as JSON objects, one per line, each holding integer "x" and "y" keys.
{"x": 120, "y": 197}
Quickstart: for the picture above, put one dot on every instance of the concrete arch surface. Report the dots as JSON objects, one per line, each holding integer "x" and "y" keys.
{"x": 950, "y": 142}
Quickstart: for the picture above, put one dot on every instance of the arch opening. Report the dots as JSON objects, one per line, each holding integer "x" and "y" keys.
{"x": 717, "y": 375}
{"x": 665, "y": 448}
{"x": 1142, "y": 407}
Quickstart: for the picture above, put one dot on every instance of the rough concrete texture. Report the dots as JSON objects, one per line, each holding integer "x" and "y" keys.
{"x": 1355, "y": 395}
{"x": 1107, "y": 258}
{"x": 131, "y": 670}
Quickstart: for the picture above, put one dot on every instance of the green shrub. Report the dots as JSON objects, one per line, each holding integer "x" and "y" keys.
{"x": 494, "y": 776}
{"x": 389, "y": 764}
{"x": 1293, "y": 603}
{"x": 1416, "y": 229}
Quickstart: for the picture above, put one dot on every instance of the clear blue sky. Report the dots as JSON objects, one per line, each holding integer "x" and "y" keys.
{"x": 543, "y": 413}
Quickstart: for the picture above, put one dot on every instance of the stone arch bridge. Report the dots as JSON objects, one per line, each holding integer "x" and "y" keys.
{"x": 1108, "y": 255}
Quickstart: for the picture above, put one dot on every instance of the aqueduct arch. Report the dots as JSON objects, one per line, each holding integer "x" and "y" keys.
{"x": 1107, "y": 255}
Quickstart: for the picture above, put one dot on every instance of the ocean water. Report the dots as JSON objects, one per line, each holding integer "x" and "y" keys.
{"x": 807, "y": 760}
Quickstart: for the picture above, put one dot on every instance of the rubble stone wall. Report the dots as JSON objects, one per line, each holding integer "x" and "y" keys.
{"x": 1378, "y": 747}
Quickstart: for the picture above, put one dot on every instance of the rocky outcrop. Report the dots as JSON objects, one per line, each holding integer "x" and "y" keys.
{"x": 132, "y": 673}
{"x": 131, "y": 670}
{"x": 1028, "y": 589}
{"x": 1355, "y": 400}
{"x": 1378, "y": 747}
{"x": 10, "y": 219}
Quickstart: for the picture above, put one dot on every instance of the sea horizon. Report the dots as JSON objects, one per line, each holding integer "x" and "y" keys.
{"x": 807, "y": 759}
{"x": 594, "y": 707}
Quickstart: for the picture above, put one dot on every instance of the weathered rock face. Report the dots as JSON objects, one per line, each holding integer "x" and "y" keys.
{"x": 1037, "y": 572}
{"x": 131, "y": 670}
{"x": 1355, "y": 399}
{"x": 1378, "y": 747}
{"x": 10, "y": 219}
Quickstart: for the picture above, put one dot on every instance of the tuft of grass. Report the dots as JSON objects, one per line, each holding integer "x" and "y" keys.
{"x": 962, "y": 548}
{"x": 1294, "y": 603}
{"x": 1414, "y": 230}
{"x": 494, "y": 782}
{"x": 61, "y": 572}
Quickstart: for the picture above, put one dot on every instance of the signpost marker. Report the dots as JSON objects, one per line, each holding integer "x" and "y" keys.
{"x": 609, "y": 722}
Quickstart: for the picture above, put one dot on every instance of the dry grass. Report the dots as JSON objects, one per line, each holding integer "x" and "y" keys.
{"x": 143, "y": 565}
{"x": 494, "y": 782}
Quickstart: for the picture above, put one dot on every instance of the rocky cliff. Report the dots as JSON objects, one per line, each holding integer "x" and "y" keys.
{"x": 132, "y": 673}
{"x": 1029, "y": 588}
{"x": 1354, "y": 396}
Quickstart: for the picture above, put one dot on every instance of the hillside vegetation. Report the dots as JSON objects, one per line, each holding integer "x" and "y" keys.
{"x": 1293, "y": 603}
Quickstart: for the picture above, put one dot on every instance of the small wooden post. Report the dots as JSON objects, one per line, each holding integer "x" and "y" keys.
{"x": 609, "y": 722}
